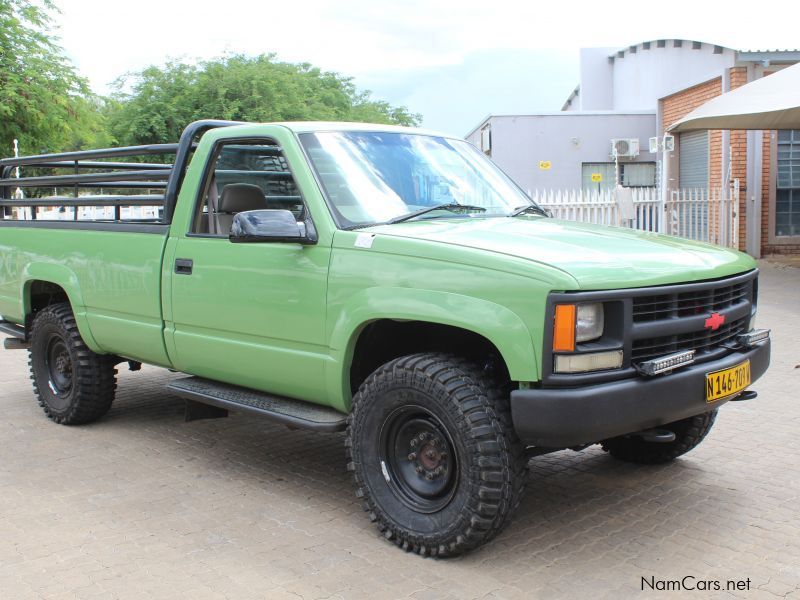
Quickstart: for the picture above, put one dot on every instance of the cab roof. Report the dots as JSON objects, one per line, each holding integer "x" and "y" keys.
{"x": 315, "y": 126}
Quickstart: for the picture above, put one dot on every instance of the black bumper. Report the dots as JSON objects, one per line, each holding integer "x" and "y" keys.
{"x": 564, "y": 417}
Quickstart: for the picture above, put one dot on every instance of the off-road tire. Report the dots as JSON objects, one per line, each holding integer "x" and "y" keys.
{"x": 80, "y": 387}
{"x": 488, "y": 466}
{"x": 688, "y": 434}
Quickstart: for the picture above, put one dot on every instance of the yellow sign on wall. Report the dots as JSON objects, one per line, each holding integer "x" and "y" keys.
{"x": 545, "y": 165}
{"x": 597, "y": 177}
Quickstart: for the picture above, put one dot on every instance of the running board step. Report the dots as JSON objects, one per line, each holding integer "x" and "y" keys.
{"x": 294, "y": 413}
{"x": 12, "y": 329}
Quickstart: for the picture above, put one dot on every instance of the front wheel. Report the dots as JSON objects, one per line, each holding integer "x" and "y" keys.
{"x": 435, "y": 458}
{"x": 688, "y": 434}
{"x": 73, "y": 384}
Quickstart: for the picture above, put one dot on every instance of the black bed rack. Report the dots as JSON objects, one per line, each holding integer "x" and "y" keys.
{"x": 113, "y": 175}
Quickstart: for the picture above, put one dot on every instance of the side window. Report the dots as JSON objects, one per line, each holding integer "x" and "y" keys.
{"x": 245, "y": 176}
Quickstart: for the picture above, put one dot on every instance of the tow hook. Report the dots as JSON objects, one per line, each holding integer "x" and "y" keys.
{"x": 746, "y": 395}
{"x": 658, "y": 436}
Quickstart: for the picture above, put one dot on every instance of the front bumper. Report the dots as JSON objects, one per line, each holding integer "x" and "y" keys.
{"x": 565, "y": 417}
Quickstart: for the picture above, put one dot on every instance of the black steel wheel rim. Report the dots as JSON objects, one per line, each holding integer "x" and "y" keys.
{"x": 418, "y": 459}
{"x": 59, "y": 366}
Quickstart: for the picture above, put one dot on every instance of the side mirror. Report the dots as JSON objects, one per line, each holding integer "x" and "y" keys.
{"x": 263, "y": 226}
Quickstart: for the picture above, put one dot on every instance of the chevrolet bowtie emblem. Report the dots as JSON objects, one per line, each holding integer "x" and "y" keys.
{"x": 715, "y": 321}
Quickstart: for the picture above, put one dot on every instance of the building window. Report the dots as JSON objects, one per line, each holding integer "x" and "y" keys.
{"x": 601, "y": 176}
{"x": 486, "y": 140}
{"x": 638, "y": 174}
{"x": 787, "y": 194}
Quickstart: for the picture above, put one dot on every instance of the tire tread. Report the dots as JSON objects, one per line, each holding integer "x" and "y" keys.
{"x": 95, "y": 379}
{"x": 497, "y": 488}
{"x": 688, "y": 434}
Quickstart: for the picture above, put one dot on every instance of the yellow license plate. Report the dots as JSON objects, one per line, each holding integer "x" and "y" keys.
{"x": 721, "y": 384}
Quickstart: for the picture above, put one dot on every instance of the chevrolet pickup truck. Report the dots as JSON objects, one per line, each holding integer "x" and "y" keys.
{"x": 387, "y": 282}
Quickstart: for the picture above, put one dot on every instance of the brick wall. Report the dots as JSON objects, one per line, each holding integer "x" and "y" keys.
{"x": 678, "y": 105}
{"x": 768, "y": 249}
{"x": 738, "y": 77}
{"x": 766, "y": 184}
{"x": 766, "y": 164}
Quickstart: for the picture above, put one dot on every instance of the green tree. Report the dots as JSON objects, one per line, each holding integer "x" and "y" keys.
{"x": 43, "y": 101}
{"x": 153, "y": 105}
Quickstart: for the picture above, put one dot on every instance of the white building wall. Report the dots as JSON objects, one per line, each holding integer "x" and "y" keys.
{"x": 474, "y": 137}
{"x": 641, "y": 78}
{"x": 566, "y": 139}
{"x": 597, "y": 80}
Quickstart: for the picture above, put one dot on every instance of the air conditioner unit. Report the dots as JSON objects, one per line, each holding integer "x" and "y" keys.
{"x": 625, "y": 148}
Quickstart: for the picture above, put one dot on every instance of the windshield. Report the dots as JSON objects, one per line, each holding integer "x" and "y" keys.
{"x": 375, "y": 177}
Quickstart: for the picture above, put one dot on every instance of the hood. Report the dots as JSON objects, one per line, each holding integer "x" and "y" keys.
{"x": 598, "y": 257}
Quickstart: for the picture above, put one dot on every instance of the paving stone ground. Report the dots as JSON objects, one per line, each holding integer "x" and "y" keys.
{"x": 143, "y": 505}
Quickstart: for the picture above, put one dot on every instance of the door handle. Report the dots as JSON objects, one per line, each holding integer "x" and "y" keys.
{"x": 183, "y": 266}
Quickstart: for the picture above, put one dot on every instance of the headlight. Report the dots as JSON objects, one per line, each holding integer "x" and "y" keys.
{"x": 589, "y": 322}
{"x": 584, "y": 322}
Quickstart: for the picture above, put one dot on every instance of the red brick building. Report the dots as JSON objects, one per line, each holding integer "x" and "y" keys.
{"x": 765, "y": 164}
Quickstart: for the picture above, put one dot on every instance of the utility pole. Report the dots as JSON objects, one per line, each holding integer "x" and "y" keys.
{"x": 665, "y": 144}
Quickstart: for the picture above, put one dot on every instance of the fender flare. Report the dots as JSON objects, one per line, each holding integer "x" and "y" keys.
{"x": 502, "y": 327}
{"x": 65, "y": 278}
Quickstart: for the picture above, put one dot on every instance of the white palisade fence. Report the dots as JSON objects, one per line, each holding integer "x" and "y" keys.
{"x": 706, "y": 215}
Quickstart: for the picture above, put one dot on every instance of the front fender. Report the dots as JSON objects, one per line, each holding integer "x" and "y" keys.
{"x": 64, "y": 277}
{"x": 496, "y": 323}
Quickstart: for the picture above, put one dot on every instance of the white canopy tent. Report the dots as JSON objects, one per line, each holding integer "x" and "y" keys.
{"x": 771, "y": 102}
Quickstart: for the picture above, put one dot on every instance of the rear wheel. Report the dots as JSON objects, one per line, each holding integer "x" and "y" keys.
{"x": 688, "y": 434}
{"x": 434, "y": 455}
{"x": 73, "y": 384}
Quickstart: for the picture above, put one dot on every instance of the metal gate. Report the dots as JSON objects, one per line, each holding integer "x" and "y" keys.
{"x": 705, "y": 215}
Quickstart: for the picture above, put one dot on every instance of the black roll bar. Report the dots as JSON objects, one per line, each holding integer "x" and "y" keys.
{"x": 116, "y": 175}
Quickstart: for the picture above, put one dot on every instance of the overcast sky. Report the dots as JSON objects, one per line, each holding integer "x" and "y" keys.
{"x": 454, "y": 61}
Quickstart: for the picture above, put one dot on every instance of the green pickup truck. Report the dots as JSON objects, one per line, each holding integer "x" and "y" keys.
{"x": 384, "y": 281}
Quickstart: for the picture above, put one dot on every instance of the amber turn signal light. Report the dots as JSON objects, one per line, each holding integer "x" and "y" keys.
{"x": 564, "y": 328}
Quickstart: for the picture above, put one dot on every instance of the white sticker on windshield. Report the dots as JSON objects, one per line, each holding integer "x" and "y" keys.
{"x": 364, "y": 240}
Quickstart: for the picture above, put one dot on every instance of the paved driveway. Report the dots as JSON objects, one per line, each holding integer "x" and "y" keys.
{"x": 144, "y": 505}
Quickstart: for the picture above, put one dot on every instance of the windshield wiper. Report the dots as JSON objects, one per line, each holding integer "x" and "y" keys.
{"x": 529, "y": 208}
{"x": 451, "y": 206}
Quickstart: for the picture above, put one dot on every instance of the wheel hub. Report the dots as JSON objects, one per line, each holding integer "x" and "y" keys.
{"x": 419, "y": 458}
{"x": 63, "y": 364}
{"x": 430, "y": 457}
{"x": 59, "y": 366}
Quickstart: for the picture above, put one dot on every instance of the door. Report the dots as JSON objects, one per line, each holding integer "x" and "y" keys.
{"x": 249, "y": 314}
{"x": 692, "y": 217}
{"x": 693, "y": 160}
